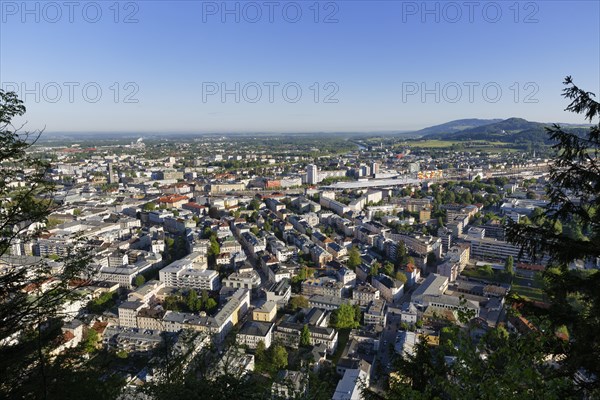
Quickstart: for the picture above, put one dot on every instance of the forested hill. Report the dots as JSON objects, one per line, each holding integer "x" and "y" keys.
{"x": 455, "y": 126}
{"x": 512, "y": 130}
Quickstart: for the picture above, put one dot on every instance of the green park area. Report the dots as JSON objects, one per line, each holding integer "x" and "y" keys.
{"x": 474, "y": 145}
{"x": 486, "y": 273}
{"x": 528, "y": 287}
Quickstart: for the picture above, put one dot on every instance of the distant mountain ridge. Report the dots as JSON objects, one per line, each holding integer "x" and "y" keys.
{"x": 511, "y": 130}
{"x": 455, "y": 126}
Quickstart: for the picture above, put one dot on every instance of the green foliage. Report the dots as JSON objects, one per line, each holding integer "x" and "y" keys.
{"x": 388, "y": 269}
{"x": 223, "y": 387}
{"x": 172, "y": 303}
{"x": 573, "y": 193}
{"x": 210, "y": 304}
{"x": 487, "y": 270}
{"x": 139, "y": 280}
{"x": 357, "y": 314}
{"x": 193, "y": 303}
{"x": 254, "y": 204}
{"x": 354, "y": 259}
{"x": 122, "y": 354}
{"x": 511, "y": 369}
{"x": 345, "y": 317}
{"x": 105, "y": 301}
{"x": 305, "y": 336}
{"x": 149, "y": 207}
{"x": 375, "y": 268}
{"x": 175, "y": 248}
{"x": 279, "y": 357}
{"x": 190, "y": 302}
{"x": 401, "y": 254}
{"x": 297, "y": 302}
{"x": 91, "y": 341}
{"x": 214, "y": 249}
{"x": 53, "y": 222}
{"x": 28, "y": 316}
{"x": 509, "y": 265}
{"x": 268, "y": 226}
{"x": 204, "y": 296}
{"x": 401, "y": 276}
{"x": 260, "y": 352}
{"x": 303, "y": 274}
{"x": 208, "y": 233}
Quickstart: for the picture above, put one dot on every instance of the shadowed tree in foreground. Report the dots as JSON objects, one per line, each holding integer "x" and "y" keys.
{"x": 30, "y": 315}
{"x": 574, "y": 193}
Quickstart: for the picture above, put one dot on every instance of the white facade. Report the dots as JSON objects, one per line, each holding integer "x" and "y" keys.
{"x": 312, "y": 174}
{"x": 183, "y": 274}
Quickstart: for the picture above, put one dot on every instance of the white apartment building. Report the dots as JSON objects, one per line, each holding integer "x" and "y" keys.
{"x": 247, "y": 279}
{"x": 184, "y": 274}
{"x": 253, "y": 332}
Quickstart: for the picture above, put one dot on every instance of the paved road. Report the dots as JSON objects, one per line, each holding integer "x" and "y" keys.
{"x": 384, "y": 355}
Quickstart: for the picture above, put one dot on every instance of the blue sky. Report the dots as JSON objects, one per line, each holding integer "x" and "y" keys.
{"x": 361, "y": 66}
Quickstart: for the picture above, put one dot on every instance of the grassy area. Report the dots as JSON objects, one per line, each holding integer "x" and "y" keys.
{"x": 474, "y": 145}
{"x": 496, "y": 277}
{"x": 528, "y": 287}
{"x": 531, "y": 293}
{"x": 436, "y": 144}
{"x": 523, "y": 286}
{"x": 343, "y": 336}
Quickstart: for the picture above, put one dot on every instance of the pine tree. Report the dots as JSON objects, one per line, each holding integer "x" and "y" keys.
{"x": 573, "y": 192}
{"x": 305, "y": 336}
{"x": 401, "y": 254}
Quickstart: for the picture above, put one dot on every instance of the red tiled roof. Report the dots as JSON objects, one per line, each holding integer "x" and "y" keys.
{"x": 99, "y": 326}
{"x": 77, "y": 282}
{"x": 531, "y": 267}
{"x": 195, "y": 205}
{"x": 172, "y": 199}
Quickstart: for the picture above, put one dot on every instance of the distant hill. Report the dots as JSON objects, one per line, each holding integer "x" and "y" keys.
{"x": 455, "y": 126}
{"x": 511, "y": 130}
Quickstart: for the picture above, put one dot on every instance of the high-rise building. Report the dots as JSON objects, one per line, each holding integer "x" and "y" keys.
{"x": 111, "y": 174}
{"x": 312, "y": 174}
{"x": 374, "y": 168}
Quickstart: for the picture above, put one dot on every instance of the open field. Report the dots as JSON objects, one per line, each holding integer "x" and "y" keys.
{"x": 496, "y": 277}
{"x": 531, "y": 293}
{"x": 471, "y": 145}
{"x": 528, "y": 287}
{"x": 437, "y": 144}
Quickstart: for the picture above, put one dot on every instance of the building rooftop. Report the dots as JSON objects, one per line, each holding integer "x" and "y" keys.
{"x": 330, "y": 300}
{"x": 432, "y": 285}
{"x": 255, "y": 328}
{"x": 376, "y": 307}
{"x": 267, "y": 307}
